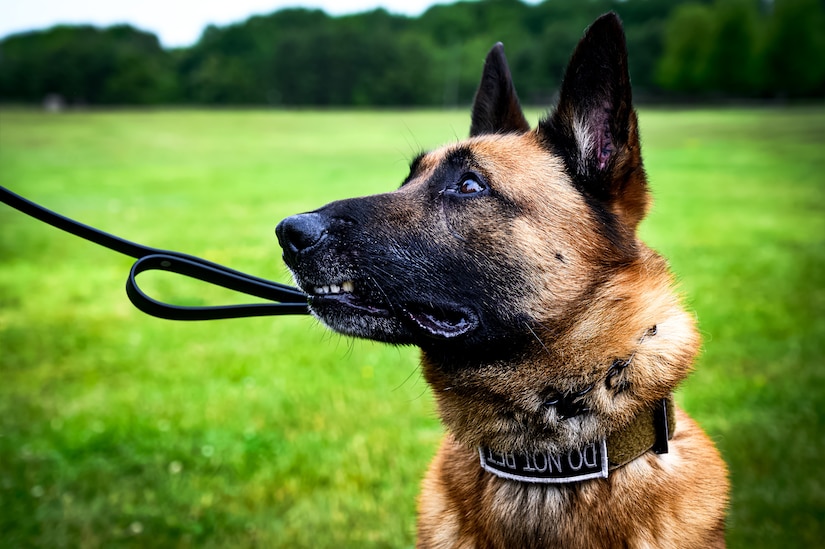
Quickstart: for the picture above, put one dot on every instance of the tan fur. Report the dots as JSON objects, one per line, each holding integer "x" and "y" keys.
{"x": 672, "y": 501}
{"x": 675, "y": 500}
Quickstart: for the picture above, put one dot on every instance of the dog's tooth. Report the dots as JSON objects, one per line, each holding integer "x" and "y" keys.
{"x": 334, "y": 288}
{"x": 348, "y": 286}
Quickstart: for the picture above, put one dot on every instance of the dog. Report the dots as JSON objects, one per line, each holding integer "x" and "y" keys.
{"x": 551, "y": 337}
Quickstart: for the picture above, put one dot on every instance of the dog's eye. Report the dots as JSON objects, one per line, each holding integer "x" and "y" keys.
{"x": 470, "y": 185}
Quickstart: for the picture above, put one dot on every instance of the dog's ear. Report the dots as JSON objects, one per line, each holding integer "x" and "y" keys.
{"x": 496, "y": 107}
{"x": 594, "y": 126}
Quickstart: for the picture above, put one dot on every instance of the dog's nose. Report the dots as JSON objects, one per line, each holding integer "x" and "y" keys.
{"x": 300, "y": 232}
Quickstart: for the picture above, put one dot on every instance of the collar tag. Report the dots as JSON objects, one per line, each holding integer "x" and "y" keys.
{"x": 575, "y": 465}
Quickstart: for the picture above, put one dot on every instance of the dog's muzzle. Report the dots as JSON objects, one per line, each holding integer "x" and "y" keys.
{"x": 349, "y": 299}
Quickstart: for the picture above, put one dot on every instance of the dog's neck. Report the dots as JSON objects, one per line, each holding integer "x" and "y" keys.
{"x": 577, "y": 385}
{"x": 648, "y": 432}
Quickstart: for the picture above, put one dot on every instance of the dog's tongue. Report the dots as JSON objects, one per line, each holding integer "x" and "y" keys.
{"x": 441, "y": 324}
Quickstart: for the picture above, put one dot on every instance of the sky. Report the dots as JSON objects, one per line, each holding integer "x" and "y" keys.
{"x": 175, "y": 22}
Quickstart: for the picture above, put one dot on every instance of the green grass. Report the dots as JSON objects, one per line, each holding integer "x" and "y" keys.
{"x": 118, "y": 430}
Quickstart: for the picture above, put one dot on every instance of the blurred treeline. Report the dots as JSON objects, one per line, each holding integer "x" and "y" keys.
{"x": 678, "y": 50}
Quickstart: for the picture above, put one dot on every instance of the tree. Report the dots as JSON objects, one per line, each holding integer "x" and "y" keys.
{"x": 718, "y": 48}
{"x": 733, "y": 66}
{"x": 684, "y": 64}
{"x": 118, "y": 65}
{"x": 795, "y": 49}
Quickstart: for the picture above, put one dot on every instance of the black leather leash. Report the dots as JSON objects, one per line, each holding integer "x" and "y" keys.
{"x": 288, "y": 300}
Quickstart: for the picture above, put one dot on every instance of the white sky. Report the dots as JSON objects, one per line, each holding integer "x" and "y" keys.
{"x": 175, "y": 22}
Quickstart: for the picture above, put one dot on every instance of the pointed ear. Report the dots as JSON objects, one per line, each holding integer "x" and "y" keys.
{"x": 594, "y": 126}
{"x": 496, "y": 107}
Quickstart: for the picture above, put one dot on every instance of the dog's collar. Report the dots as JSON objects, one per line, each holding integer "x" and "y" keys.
{"x": 649, "y": 431}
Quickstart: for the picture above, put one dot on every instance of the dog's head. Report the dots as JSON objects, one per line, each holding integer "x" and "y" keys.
{"x": 490, "y": 236}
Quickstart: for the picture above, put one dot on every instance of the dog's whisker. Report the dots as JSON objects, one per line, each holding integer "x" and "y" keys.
{"x": 535, "y": 335}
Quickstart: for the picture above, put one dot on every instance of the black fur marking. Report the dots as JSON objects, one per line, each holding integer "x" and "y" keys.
{"x": 613, "y": 382}
{"x": 496, "y": 107}
{"x": 569, "y": 404}
{"x": 461, "y": 157}
{"x": 622, "y": 241}
{"x": 415, "y": 165}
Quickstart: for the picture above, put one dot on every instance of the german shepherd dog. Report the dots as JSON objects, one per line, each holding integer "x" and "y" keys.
{"x": 551, "y": 336}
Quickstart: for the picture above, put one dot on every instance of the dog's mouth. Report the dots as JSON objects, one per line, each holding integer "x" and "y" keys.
{"x": 348, "y": 306}
{"x": 441, "y": 322}
{"x": 344, "y": 294}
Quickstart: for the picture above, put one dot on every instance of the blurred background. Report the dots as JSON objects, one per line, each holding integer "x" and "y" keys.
{"x": 681, "y": 51}
{"x": 197, "y": 127}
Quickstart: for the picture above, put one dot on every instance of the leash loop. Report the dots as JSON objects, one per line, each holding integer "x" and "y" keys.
{"x": 219, "y": 275}
{"x": 287, "y": 299}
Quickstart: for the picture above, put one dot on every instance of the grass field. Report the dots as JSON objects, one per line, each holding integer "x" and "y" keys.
{"x": 121, "y": 430}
